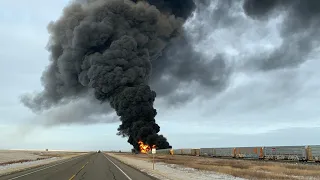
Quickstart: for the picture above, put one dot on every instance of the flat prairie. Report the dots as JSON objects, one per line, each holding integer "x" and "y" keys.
{"x": 239, "y": 168}
{"x": 16, "y": 156}
{"x": 18, "y": 160}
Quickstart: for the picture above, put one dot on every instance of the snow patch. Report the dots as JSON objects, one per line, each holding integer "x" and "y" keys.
{"x": 6, "y": 169}
{"x": 6, "y": 156}
{"x": 166, "y": 171}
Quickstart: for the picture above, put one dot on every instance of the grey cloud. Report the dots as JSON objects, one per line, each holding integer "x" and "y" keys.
{"x": 280, "y": 137}
{"x": 298, "y": 30}
{"x": 84, "y": 111}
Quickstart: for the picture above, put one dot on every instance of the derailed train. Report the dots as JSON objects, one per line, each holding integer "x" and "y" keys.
{"x": 310, "y": 153}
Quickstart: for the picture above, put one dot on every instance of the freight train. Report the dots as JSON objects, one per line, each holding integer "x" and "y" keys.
{"x": 309, "y": 153}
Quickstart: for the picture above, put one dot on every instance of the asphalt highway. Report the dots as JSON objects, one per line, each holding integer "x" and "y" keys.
{"x": 94, "y": 166}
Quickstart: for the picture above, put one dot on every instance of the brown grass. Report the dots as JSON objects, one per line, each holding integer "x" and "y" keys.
{"x": 240, "y": 168}
{"x": 50, "y": 154}
{"x": 20, "y": 161}
{"x": 44, "y": 155}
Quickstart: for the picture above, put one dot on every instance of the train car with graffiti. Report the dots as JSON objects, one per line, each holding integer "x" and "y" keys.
{"x": 309, "y": 153}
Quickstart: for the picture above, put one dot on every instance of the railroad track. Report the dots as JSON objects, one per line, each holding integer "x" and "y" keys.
{"x": 267, "y": 160}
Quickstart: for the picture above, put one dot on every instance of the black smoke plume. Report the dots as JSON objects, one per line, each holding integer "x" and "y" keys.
{"x": 116, "y": 49}
{"x": 108, "y": 46}
{"x": 180, "y": 8}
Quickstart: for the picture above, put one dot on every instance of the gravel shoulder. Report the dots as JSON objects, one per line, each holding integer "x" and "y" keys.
{"x": 165, "y": 171}
{"x": 194, "y": 167}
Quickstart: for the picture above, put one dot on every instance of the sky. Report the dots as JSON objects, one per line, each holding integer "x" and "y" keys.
{"x": 257, "y": 107}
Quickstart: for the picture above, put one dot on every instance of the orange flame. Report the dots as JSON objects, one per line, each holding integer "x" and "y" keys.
{"x": 145, "y": 148}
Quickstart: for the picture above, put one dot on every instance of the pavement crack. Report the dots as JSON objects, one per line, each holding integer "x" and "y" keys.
{"x": 114, "y": 177}
{"x": 82, "y": 176}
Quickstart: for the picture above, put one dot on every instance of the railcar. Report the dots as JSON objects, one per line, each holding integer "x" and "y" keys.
{"x": 249, "y": 152}
{"x": 224, "y": 152}
{"x": 309, "y": 153}
{"x": 313, "y": 153}
{"x": 297, "y": 153}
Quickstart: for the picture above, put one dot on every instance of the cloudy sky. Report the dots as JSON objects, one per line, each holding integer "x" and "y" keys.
{"x": 263, "y": 103}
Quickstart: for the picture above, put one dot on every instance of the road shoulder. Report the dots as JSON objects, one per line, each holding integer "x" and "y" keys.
{"x": 167, "y": 171}
{"x": 128, "y": 167}
{"x": 38, "y": 165}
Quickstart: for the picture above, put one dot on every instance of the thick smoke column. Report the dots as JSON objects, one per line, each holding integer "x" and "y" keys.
{"x": 180, "y": 8}
{"x": 116, "y": 49}
{"x": 108, "y": 46}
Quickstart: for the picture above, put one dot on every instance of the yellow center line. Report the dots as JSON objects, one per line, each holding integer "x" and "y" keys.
{"x": 73, "y": 176}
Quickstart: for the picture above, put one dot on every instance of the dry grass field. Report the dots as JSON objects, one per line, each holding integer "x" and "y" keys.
{"x": 18, "y": 160}
{"x": 239, "y": 168}
{"x": 20, "y": 156}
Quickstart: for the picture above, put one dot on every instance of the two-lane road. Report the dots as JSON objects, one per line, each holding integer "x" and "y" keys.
{"x": 96, "y": 166}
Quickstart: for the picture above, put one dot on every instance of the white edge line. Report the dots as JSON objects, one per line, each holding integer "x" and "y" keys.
{"x": 117, "y": 167}
{"x": 42, "y": 169}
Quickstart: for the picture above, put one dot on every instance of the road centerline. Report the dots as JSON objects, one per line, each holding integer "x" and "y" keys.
{"x": 73, "y": 176}
{"x": 32, "y": 172}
